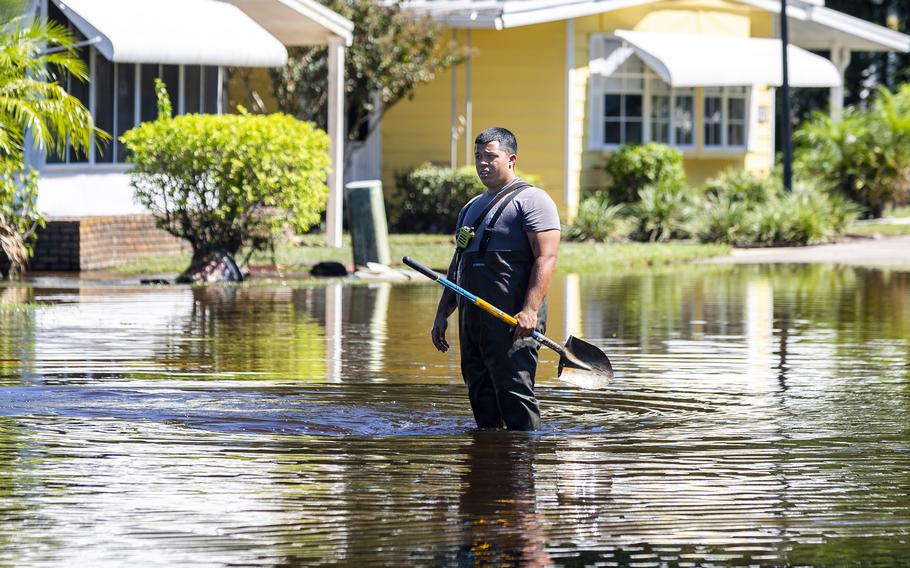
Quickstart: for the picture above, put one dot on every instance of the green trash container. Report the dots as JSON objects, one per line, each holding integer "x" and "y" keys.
{"x": 367, "y": 222}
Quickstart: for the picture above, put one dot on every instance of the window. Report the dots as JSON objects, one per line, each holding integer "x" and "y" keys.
{"x": 125, "y": 104}
{"x": 726, "y": 116}
{"x": 104, "y": 106}
{"x": 632, "y": 104}
{"x": 116, "y": 93}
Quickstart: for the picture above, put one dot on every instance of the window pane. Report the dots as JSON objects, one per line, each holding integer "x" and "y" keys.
{"x": 104, "y": 106}
{"x": 613, "y": 83}
{"x": 632, "y": 65}
{"x": 633, "y": 106}
{"x": 660, "y": 132}
{"x": 658, "y": 86}
{"x": 713, "y": 109}
{"x": 660, "y": 107}
{"x": 633, "y": 132}
{"x": 634, "y": 84}
{"x": 684, "y": 119}
{"x": 210, "y": 90}
{"x": 736, "y": 109}
{"x": 148, "y": 103}
{"x": 52, "y": 157}
{"x": 126, "y": 103}
{"x": 170, "y": 74}
{"x": 712, "y": 134}
{"x": 736, "y": 134}
{"x": 80, "y": 90}
{"x": 191, "y": 83}
{"x": 612, "y": 132}
{"x": 612, "y": 106}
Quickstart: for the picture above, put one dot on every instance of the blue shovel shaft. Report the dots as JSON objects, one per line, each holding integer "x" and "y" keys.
{"x": 479, "y": 302}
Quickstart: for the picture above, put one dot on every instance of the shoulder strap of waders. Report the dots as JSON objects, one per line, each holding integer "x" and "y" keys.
{"x": 506, "y": 194}
{"x": 488, "y": 230}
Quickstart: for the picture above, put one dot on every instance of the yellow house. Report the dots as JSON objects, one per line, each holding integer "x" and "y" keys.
{"x": 575, "y": 79}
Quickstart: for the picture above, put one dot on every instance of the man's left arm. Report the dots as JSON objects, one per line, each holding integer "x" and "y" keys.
{"x": 545, "y": 248}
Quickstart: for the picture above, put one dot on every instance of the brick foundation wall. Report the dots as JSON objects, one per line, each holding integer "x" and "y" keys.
{"x": 93, "y": 243}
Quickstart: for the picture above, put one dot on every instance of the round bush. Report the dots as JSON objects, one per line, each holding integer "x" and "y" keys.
{"x": 597, "y": 220}
{"x": 223, "y": 182}
{"x": 633, "y": 168}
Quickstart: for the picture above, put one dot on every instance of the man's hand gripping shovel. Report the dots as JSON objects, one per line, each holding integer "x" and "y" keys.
{"x": 585, "y": 365}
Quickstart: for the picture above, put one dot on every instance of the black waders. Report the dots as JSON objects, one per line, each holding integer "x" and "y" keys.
{"x": 499, "y": 372}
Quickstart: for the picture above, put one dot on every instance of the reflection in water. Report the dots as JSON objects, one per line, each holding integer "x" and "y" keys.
{"x": 759, "y": 416}
{"x": 498, "y": 502}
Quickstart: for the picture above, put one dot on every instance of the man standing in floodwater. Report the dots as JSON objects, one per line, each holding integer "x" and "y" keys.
{"x": 507, "y": 241}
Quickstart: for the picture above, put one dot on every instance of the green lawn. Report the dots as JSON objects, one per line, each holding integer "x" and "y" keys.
{"x": 883, "y": 229}
{"x": 436, "y": 251}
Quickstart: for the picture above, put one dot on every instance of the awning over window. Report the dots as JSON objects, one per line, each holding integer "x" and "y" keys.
{"x": 188, "y": 32}
{"x": 716, "y": 61}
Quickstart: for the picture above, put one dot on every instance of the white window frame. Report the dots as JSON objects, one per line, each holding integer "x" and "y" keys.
{"x": 726, "y": 95}
{"x": 114, "y": 165}
{"x": 597, "y": 91}
{"x": 674, "y": 94}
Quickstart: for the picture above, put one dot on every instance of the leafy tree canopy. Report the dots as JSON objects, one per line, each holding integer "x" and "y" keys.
{"x": 393, "y": 52}
{"x": 33, "y": 56}
{"x": 229, "y": 181}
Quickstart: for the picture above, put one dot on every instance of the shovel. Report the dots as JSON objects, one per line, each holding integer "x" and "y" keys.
{"x": 586, "y": 365}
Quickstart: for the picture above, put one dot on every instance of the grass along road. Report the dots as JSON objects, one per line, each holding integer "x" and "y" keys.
{"x": 436, "y": 251}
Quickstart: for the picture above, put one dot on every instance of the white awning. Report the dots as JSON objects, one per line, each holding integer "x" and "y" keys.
{"x": 715, "y": 61}
{"x": 188, "y": 32}
{"x": 298, "y": 22}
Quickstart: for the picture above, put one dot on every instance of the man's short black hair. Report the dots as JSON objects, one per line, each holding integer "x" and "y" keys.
{"x": 505, "y": 138}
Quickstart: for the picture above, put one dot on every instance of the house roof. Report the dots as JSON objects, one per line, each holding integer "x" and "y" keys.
{"x": 189, "y": 32}
{"x": 813, "y": 25}
{"x": 678, "y": 60}
{"x": 246, "y": 33}
{"x": 298, "y": 22}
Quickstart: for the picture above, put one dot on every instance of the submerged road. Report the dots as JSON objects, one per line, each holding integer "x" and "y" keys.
{"x": 886, "y": 252}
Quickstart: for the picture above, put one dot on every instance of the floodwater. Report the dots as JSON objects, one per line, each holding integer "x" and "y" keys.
{"x": 760, "y": 416}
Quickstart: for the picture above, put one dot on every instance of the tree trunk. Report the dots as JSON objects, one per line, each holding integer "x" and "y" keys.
{"x": 13, "y": 254}
{"x": 214, "y": 266}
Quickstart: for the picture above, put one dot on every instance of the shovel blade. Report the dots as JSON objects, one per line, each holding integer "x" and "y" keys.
{"x": 584, "y": 365}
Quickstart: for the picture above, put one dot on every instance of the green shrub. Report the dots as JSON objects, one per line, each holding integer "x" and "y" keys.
{"x": 428, "y": 198}
{"x": 231, "y": 181}
{"x": 725, "y": 219}
{"x": 19, "y": 216}
{"x": 741, "y": 185}
{"x": 664, "y": 211}
{"x": 597, "y": 220}
{"x": 806, "y": 215}
{"x": 633, "y": 168}
{"x": 865, "y": 156}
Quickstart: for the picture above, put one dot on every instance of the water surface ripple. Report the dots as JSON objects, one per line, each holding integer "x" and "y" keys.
{"x": 759, "y": 417}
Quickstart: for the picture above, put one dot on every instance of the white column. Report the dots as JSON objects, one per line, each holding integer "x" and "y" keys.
{"x": 453, "y": 124}
{"x": 468, "y": 107}
{"x": 572, "y": 148}
{"x": 337, "y": 134}
{"x": 840, "y": 56}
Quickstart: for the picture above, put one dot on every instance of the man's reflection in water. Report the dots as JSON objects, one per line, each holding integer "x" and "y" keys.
{"x": 499, "y": 504}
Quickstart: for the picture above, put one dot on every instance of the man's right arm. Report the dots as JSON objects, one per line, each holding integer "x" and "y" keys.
{"x": 447, "y": 305}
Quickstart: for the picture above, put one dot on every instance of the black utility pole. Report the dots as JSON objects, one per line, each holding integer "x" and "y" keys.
{"x": 786, "y": 126}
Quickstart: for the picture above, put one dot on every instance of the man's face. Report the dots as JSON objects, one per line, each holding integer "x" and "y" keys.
{"x": 494, "y": 166}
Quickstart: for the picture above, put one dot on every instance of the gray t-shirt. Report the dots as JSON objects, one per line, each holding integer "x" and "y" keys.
{"x": 532, "y": 211}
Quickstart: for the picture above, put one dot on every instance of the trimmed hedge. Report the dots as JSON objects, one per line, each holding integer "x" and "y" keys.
{"x": 429, "y": 198}
{"x": 230, "y": 181}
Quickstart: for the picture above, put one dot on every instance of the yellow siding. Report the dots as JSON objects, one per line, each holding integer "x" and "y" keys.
{"x": 710, "y": 17}
{"x": 517, "y": 83}
{"x": 520, "y": 82}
